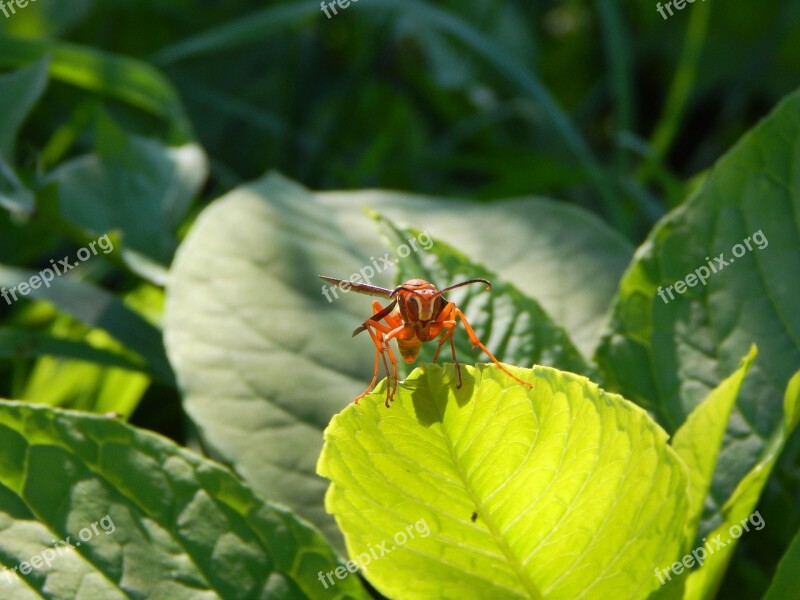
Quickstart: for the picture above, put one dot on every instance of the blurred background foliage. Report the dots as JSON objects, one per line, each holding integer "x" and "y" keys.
{"x": 601, "y": 104}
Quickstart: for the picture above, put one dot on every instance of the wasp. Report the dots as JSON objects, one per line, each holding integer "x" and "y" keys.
{"x": 417, "y": 313}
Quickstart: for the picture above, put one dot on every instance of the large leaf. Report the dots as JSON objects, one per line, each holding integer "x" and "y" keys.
{"x": 254, "y": 343}
{"x": 564, "y": 491}
{"x": 698, "y": 443}
{"x": 265, "y": 361}
{"x": 667, "y": 354}
{"x": 139, "y": 517}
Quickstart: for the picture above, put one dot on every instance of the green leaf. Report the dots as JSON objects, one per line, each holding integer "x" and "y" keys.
{"x": 245, "y": 321}
{"x": 97, "y": 308}
{"x": 14, "y": 194}
{"x": 738, "y": 510}
{"x": 24, "y": 342}
{"x": 84, "y": 386}
{"x": 153, "y": 187}
{"x": 250, "y": 29}
{"x": 19, "y": 92}
{"x": 667, "y": 354}
{"x": 509, "y": 323}
{"x": 246, "y": 318}
{"x": 90, "y": 385}
{"x": 142, "y": 517}
{"x": 16, "y": 247}
{"x": 787, "y": 578}
{"x": 563, "y": 491}
{"x": 131, "y": 81}
{"x": 93, "y": 382}
{"x": 699, "y": 439}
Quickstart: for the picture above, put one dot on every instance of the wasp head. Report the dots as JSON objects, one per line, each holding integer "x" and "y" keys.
{"x": 420, "y": 302}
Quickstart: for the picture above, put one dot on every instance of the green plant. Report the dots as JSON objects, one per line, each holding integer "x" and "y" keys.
{"x": 652, "y": 427}
{"x": 252, "y": 229}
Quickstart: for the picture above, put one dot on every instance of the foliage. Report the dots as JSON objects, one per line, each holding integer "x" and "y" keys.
{"x": 584, "y": 157}
{"x": 562, "y": 492}
{"x": 173, "y": 524}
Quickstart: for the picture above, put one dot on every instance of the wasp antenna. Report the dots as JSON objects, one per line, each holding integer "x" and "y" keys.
{"x": 468, "y": 282}
{"x": 397, "y": 289}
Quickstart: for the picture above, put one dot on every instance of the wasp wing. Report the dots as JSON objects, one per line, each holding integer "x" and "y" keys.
{"x": 361, "y": 288}
{"x": 377, "y": 316}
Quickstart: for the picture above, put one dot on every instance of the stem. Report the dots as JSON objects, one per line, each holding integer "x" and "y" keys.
{"x": 617, "y": 49}
{"x": 682, "y": 83}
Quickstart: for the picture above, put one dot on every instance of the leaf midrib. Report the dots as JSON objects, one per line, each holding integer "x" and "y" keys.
{"x": 518, "y": 568}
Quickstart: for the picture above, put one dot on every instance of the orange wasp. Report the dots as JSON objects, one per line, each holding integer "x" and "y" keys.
{"x": 422, "y": 315}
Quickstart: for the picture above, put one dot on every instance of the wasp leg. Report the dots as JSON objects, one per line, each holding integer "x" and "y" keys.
{"x": 381, "y": 336}
{"x": 395, "y": 324}
{"x": 377, "y": 331}
{"x": 377, "y": 339}
{"x": 389, "y": 337}
{"x": 449, "y": 327}
{"x": 476, "y": 342}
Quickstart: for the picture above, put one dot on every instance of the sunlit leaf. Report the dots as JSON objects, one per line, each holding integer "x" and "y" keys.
{"x": 494, "y": 491}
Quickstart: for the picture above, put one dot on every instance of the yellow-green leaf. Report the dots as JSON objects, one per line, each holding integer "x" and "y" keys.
{"x": 704, "y": 582}
{"x": 562, "y": 491}
{"x": 699, "y": 439}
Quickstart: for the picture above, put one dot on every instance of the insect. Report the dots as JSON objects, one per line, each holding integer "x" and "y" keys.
{"x": 422, "y": 315}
